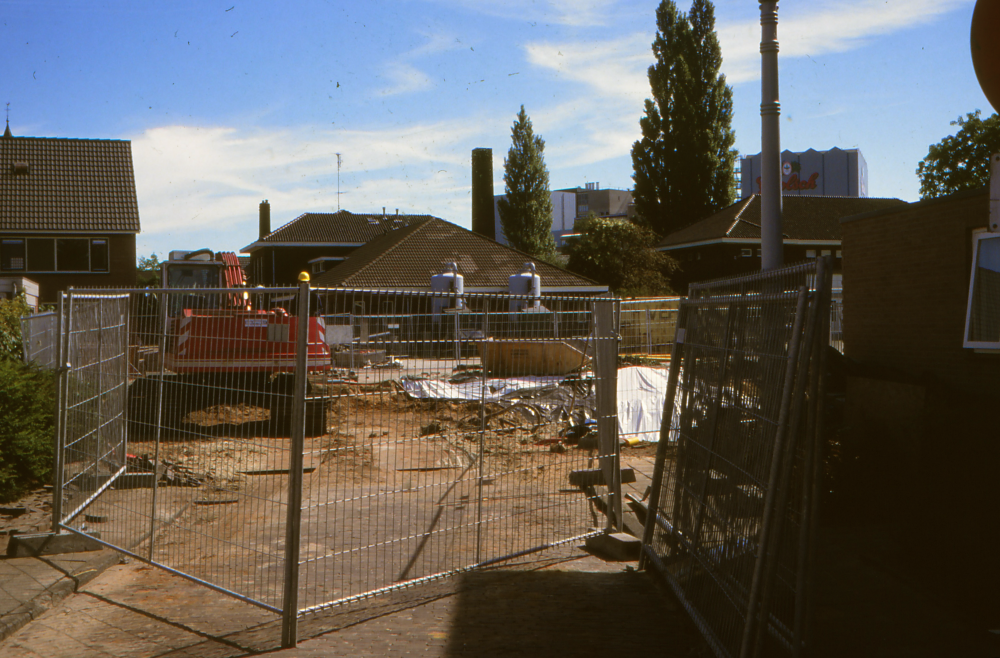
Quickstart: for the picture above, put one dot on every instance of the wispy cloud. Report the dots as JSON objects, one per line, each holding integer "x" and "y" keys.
{"x": 404, "y": 78}
{"x": 402, "y": 74}
{"x": 191, "y": 179}
{"x": 576, "y": 13}
{"x": 812, "y": 29}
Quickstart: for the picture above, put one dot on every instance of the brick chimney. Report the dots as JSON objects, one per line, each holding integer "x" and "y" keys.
{"x": 265, "y": 219}
{"x": 483, "y": 221}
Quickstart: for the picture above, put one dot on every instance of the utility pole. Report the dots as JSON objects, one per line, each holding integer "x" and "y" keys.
{"x": 771, "y": 244}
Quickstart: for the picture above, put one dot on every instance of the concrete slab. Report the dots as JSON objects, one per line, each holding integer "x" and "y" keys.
{"x": 618, "y": 546}
{"x": 50, "y": 544}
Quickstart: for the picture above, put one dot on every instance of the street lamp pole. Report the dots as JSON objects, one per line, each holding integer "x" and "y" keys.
{"x": 770, "y": 159}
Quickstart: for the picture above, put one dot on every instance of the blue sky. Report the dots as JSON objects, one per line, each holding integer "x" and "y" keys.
{"x": 228, "y": 103}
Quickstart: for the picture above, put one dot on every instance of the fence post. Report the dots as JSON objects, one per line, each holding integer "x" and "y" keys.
{"x": 606, "y": 369}
{"x": 160, "y": 393}
{"x": 62, "y": 368}
{"x": 290, "y": 599}
{"x": 666, "y": 424}
{"x": 649, "y": 334}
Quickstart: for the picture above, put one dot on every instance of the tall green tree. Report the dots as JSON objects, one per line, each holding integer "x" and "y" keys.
{"x": 147, "y": 271}
{"x": 960, "y": 161}
{"x": 619, "y": 254}
{"x": 526, "y": 211}
{"x": 683, "y": 164}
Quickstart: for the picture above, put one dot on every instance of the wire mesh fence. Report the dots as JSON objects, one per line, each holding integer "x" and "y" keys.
{"x": 277, "y": 446}
{"x": 734, "y": 488}
{"x": 39, "y": 333}
{"x": 647, "y": 326}
{"x": 837, "y": 320}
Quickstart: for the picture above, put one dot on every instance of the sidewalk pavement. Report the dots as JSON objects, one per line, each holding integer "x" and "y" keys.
{"x": 29, "y": 586}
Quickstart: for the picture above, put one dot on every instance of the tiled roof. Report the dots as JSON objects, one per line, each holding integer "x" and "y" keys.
{"x": 67, "y": 185}
{"x": 802, "y": 218}
{"x": 334, "y": 228}
{"x": 409, "y": 256}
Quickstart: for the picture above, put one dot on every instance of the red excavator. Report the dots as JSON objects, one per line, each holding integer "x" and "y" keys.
{"x": 228, "y": 355}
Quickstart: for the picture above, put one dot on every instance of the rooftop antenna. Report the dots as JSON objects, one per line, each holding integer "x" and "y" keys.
{"x": 338, "y": 180}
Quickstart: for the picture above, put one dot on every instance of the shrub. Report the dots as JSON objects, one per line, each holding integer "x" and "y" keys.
{"x": 27, "y": 427}
{"x": 11, "y": 311}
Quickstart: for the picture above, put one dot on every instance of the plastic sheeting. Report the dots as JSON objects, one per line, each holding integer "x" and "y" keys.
{"x": 641, "y": 392}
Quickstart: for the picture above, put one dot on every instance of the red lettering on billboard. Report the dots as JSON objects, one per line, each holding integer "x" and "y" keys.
{"x": 794, "y": 183}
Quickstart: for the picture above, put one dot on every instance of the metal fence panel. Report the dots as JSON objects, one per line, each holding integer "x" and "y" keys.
{"x": 647, "y": 326}
{"x": 39, "y": 333}
{"x": 415, "y": 444}
{"x": 736, "y": 467}
{"x": 91, "y": 430}
{"x": 447, "y": 444}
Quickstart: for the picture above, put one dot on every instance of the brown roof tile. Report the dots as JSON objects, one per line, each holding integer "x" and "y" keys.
{"x": 70, "y": 185}
{"x": 409, "y": 256}
{"x": 334, "y": 228}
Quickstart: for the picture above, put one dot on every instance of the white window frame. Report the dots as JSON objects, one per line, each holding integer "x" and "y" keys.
{"x": 991, "y": 346}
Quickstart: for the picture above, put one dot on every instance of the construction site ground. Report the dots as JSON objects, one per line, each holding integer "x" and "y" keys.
{"x": 560, "y": 602}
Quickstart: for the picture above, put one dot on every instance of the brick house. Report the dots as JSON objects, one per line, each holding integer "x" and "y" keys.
{"x": 920, "y": 420}
{"x": 407, "y": 258}
{"x": 728, "y": 242}
{"x": 68, "y": 212}
{"x": 313, "y": 242}
{"x": 906, "y": 290}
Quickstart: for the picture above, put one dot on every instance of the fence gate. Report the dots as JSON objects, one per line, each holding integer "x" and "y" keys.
{"x": 734, "y": 491}
{"x": 90, "y": 427}
{"x": 234, "y": 438}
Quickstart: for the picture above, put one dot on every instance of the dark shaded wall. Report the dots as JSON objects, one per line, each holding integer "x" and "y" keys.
{"x": 713, "y": 261}
{"x": 906, "y": 285}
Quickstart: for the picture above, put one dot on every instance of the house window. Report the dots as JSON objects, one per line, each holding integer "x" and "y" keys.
{"x": 12, "y": 255}
{"x": 72, "y": 255}
{"x": 758, "y": 253}
{"x": 746, "y": 253}
{"x": 838, "y": 254}
{"x": 982, "y": 318}
{"x": 98, "y": 255}
{"x": 826, "y": 252}
{"x": 810, "y": 253}
{"x": 42, "y": 254}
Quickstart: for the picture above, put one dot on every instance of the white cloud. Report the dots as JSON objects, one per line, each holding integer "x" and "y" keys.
{"x": 576, "y": 13}
{"x": 404, "y": 79}
{"x": 193, "y": 180}
{"x": 811, "y": 29}
{"x": 611, "y": 74}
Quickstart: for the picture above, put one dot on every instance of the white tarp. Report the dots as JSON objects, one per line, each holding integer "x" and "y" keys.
{"x": 641, "y": 392}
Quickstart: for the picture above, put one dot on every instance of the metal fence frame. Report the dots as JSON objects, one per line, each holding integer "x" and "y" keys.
{"x": 733, "y": 514}
{"x": 145, "y": 511}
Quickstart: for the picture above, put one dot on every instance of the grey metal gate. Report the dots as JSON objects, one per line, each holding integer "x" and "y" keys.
{"x": 439, "y": 447}
{"x": 733, "y": 504}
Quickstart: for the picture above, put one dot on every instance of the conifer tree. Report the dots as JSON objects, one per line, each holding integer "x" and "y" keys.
{"x": 526, "y": 211}
{"x": 683, "y": 164}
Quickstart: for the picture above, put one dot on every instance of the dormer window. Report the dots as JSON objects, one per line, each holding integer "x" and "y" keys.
{"x": 19, "y": 168}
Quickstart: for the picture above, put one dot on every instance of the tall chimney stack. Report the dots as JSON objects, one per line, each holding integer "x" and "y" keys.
{"x": 265, "y": 219}
{"x": 483, "y": 221}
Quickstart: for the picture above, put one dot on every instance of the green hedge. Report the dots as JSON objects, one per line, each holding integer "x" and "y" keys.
{"x": 11, "y": 311}
{"x": 27, "y": 427}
